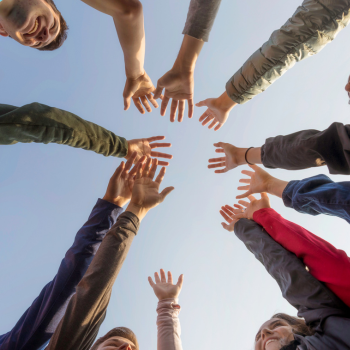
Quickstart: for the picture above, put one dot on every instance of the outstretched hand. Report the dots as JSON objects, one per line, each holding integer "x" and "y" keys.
{"x": 145, "y": 147}
{"x": 178, "y": 86}
{"x": 259, "y": 181}
{"x": 140, "y": 91}
{"x": 227, "y": 213}
{"x": 121, "y": 183}
{"x": 164, "y": 289}
{"x": 218, "y": 110}
{"x": 145, "y": 192}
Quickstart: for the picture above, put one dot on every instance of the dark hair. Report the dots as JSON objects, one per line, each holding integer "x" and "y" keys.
{"x": 117, "y": 332}
{"x": 62, "y": 35}
{"x": 298, "y": 324}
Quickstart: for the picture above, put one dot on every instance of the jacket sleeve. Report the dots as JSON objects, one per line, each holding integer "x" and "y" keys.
{"x": 40, "y": 320}
{"x": 200, "y": 18}
{"x": 313, "y": 25}
{"x": 319, "y": 195}
{"x": 169, "y": 330}
{"x": 310, "y": 297}
{"x": 87, "y": 308}
{"x": 326, "y": 263}
{"x": 310, "y": 148}
{"x": 43, "y": 124}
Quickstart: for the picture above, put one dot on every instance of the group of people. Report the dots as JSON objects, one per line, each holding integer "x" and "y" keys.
{"x": 311, "y": 273}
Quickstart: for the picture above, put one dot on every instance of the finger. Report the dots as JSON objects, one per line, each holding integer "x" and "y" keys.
{"x": 227, "y": 212}
{"x": 225, "y": 216}
{"x": 220, "y": 150}
{"x": 180, "y": 281}
{"x": 158, "y": 91}
{"x": 264, "y": 195}
{"x": 146, "y": 168}
{"x": 221, "y": 171}
{"x": 247, "y": 172}
{"x": 244, "y": 195}
{"x": 130, "y": 162}
{"x": 212, "y": 124}
{"x": 238, "y": 206}
{"x": 190, "y": 107}
{"x": 181, "y": 111}
{"x": 139, "y": 171}
{"x": 162, "y": 276}
{"x": 152, "y": 284}
{"x": 173, "y": 109}
{"x": 170, "y": 277}
{"x": 138, "y": 105}
{"x": 204, "y": 115}
{"x": 118, "y": 171}
{"x": 220, "y": 144}
{"x": 155, "y": 138}
{"x": 156, "y": 277}
{"x": 160, "y": 176}
{"x": 210, "y": 166}
{"x": 126, "y": 103}
{"x": 254, "y": 167}
{"x": 246, "y": 204}
{"x": 152, "y": 100}
{"x": 146, "y": 104}
{"x": 153, "y": 170}
{"x": 230, "y": 208}
{"x": 166, "y": 191}
{"x": 161, "y": 155}
{"x": 226, "y": 227}
{"x": 245, "y": 181}
{"x": 159, "y": 144}
{"x": 164, "y": 105}
{"x": 219, "y": 126}
{"x": 201, "y": 103}
{"x": 160, "y": 162}
{"x": 215, "y": 160}
{"x": 207, "y": 120}
{"x": 243, "y": 188}
{"x": 251, "y": 198}
{"x": 139, "y": 162}
{"x": 240, "y": 216}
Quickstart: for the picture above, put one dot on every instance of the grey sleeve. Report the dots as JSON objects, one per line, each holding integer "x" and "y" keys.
{"x": 87, "y": 308}
{"x": 313, "y": 25}
{"x": 200, "y": 18}
{"x": 39, "y": 123}
{"x": 309, "y": 296}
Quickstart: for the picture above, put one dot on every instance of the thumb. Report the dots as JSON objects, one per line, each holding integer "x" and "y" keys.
{"x": 151, "y": 282}
{"x": 264, "y": 195}
{"x": 166, "y": 191}
{"x": 227, "y": 227}
{"x": 254, "y": 167}
{"x": 202, "y": 103}
{"x": 158, "y": 91}
{"x": 126, "y": 103}
{"x": 244, "y": 195}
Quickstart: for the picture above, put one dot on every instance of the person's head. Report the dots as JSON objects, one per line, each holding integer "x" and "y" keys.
{"x": 347, "y": 88}
{"x": 34, "y": 23}
{"x": 120, "y": 338}
{"x": 279, "y": 332}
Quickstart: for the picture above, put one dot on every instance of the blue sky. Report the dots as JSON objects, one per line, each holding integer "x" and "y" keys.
{"x": 48, "y": 191}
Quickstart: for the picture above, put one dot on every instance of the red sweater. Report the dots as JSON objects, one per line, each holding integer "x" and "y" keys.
{"x": 326, "y": 263}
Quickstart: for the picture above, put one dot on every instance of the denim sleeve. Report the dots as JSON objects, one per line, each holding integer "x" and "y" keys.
{"x": 313, "y": 300}
{"x": 40, "y": 320}
{"x": 319, "y": 195}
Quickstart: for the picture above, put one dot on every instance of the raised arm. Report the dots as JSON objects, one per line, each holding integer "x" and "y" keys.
{"x": 43, "y": 124}
{"x": 179, "y": 81}
{"x": 326, "y": 263}
{"x": 87, "y": 308}
{"x": 168, "y": 309}
{"x": 313, "y": 25}
{"x": 311, "y": 298}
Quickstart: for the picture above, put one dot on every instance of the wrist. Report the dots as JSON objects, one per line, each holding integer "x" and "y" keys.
{"x": 224, "y": 102}
{"x": 134, "y": 74}
{"x": 139, "y": 211}
{"x": 119, "y": 201}
{"x": 254, "y": 155}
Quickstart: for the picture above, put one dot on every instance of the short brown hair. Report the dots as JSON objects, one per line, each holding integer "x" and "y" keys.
{"x": 62, "y": 35}
{"x": 298, "y": 324}
{"x": 117, "y": 332}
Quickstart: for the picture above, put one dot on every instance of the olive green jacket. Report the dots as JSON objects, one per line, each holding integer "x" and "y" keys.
{"x": 314, "y": 24}
{"x": 43, "y": 124}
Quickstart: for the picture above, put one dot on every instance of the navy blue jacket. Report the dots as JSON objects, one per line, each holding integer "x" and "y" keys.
{"x": 319, "y": 195}
{"x": 36, "y": 326}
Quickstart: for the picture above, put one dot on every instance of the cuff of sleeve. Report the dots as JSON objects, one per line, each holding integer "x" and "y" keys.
{"x": 123, "y": 148}
{"x": 233, "y": 93}
{"x": 287, "y": 195}
{"x": 261, "y": 215}
{"x": 170, "y": 303}
{"x": 103, "y": 203}
{"x": 131, "y": 217}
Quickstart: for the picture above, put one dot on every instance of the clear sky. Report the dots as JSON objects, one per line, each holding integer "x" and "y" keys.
{"x": 48, "y": 191}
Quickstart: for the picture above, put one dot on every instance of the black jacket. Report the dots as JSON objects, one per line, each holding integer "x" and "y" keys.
{"x": 321, "y": 309}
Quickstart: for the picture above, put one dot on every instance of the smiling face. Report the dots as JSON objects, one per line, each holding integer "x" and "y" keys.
{"x": 273, "y": 335}
{"x": 117, "y": 343}
{"x": 32, "y": 23}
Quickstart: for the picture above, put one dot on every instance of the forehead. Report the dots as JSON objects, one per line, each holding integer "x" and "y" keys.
{"x": 126, "y": 340}
{"x": 270, "y": 321}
